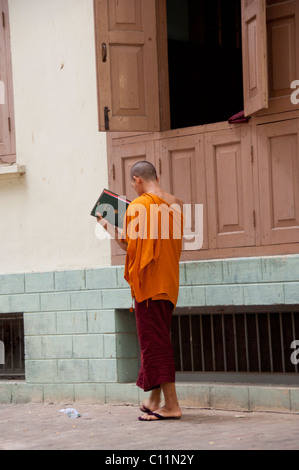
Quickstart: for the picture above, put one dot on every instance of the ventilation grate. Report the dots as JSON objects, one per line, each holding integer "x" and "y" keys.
{"x": 236, "y": 342}
{"x": 12, "y": 338}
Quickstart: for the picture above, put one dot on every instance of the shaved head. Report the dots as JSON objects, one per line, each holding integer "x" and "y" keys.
{"x": 144, "y": 170}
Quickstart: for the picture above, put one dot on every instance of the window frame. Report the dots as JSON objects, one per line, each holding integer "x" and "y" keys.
{"x": 253, "y": 10}
{"x": 8, "y": 147}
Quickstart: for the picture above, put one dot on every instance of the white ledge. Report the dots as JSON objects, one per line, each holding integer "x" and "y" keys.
{"x": 12, "y": 170}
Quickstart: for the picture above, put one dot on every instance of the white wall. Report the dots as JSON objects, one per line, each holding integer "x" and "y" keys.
{"x": 44, "y": 216}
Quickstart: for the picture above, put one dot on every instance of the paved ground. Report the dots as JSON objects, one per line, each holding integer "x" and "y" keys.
{"x": 105, "y": 427}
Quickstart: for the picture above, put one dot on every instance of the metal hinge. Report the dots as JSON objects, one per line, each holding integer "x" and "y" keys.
{"x": 254, "y": 219}
{"x": 252, "y": 154}
{"x": 3, "y": 19}
{"x": 9, "y": 124}
{"x": 160, "y": 166}
{"x": 113, "y": 172}
{"x": 106, "y": 118}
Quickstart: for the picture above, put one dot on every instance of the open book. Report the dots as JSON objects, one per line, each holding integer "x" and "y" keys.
{"x": 112, "y": 207}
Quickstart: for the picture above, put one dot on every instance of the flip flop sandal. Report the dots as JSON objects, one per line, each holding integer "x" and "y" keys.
{"x": 158, "y": 416}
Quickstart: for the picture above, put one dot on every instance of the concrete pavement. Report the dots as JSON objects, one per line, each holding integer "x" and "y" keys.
{"x": 108, "y": 427}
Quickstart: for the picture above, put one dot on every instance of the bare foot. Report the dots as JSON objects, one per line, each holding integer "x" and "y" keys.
{"x": 174, "y": 413}
{"x": 153, "y": 402}
{"x": 150, "y": 405}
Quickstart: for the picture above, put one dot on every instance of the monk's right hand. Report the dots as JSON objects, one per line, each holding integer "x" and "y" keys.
{"x": 101, "y": 220}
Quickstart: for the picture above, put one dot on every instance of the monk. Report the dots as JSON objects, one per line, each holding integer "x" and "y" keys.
{"x": 152, "y": 238}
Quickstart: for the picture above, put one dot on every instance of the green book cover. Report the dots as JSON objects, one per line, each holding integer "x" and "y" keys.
{"x": 112, "y": 207}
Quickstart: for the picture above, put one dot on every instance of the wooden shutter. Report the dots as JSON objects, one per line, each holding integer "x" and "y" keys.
{"x": 254, "y": 44}
{"x": 7, "y": 136}
{"x": 283, "y": 47}
{"x": 127, "y": 65}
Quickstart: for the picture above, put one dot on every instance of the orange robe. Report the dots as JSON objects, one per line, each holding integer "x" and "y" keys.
{"x": 153, "y": 230}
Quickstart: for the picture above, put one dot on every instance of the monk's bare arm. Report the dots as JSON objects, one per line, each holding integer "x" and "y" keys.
{"x": 113, "y": 231}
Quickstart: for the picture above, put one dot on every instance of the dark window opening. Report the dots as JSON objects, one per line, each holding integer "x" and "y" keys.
{"x": 12, "y": 339}
{"x": 205, "y": 61}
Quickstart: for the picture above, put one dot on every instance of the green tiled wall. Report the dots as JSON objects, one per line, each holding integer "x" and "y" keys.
{"x": 80, "y": 346}
{"x": 80, "y": 338}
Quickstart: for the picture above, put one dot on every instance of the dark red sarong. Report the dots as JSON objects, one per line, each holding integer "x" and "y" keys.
{"x": 153, "y": 319}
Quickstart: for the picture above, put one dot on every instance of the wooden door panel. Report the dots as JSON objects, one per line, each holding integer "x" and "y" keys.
{"x": 127, "y": 65}
{"x": 128, "y": 97}
{"x": 123, "y": 158}
{"x": 278, "y": 156}
{"x": 229, "y": 188}
{"x": 125, "y": 15}
{"x": 182, "y": 173}
{"x": 282, "y": 53}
